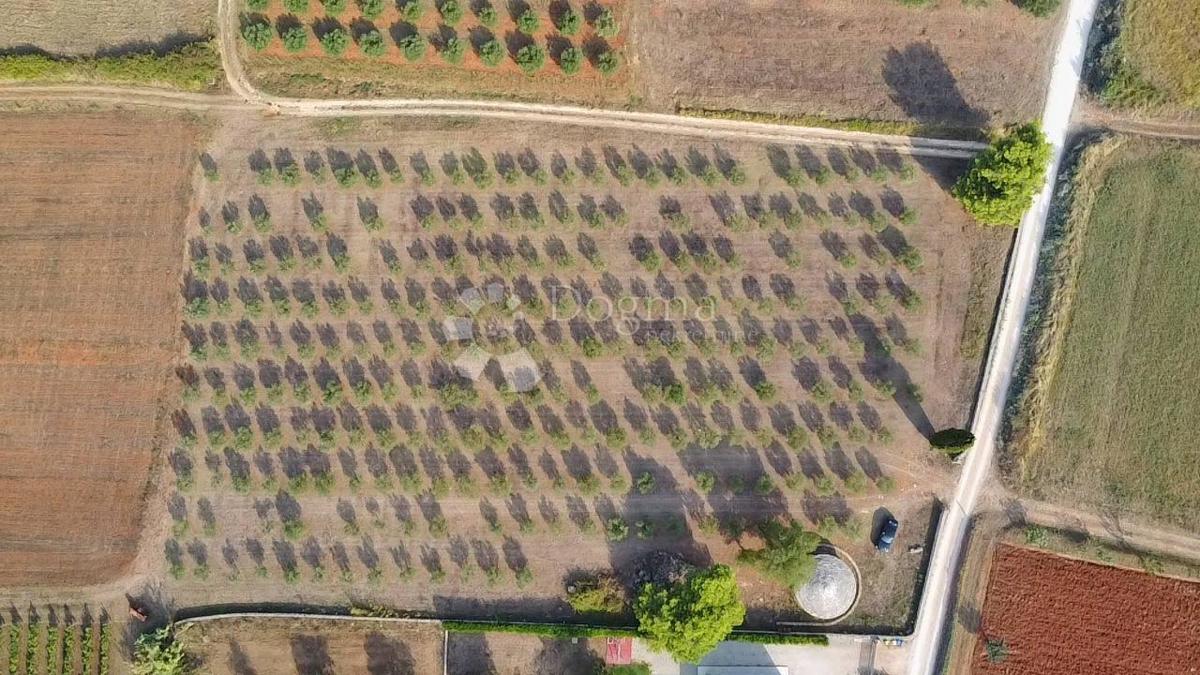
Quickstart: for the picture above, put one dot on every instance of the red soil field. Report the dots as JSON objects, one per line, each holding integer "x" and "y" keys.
{"x": 1063, "y": 616}
{"x": 92, "y": 238}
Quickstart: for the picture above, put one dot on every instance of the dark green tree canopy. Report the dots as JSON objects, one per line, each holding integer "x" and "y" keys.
{"x": 953, "y": 442}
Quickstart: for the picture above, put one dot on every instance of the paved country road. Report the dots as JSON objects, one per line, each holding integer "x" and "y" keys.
{"x": 932, "y": 614}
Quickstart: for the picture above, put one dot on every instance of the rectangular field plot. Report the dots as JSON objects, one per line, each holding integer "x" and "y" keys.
{"x": 1119, "y": 369}
{"x": 1047, "y": 614}
{"x": 92, "y": 234}
{"x": 459, "y": 363}
{"x": 267, "y": 645}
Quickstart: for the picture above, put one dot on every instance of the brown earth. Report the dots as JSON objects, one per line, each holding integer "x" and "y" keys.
{"x": 282, "y": 645}
{"x": 511, "y": 654}
{"x": 91, "y": 235}
{"x": 946, "y": 64}
{"x": 228, "y": 542}
{"x": 78, "y": 28}
{"x": 1059, "y": 615}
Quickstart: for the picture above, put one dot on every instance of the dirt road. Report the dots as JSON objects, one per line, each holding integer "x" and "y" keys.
{"x": 932, "y": 616}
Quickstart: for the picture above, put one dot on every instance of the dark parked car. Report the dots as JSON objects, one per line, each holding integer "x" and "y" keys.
{"x": 887, "y": 535}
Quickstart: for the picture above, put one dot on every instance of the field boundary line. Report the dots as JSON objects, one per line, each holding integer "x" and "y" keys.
{"x": 235, "y": 73}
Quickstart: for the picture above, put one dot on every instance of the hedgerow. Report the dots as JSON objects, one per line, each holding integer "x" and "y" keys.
{"x": 555, "y": 630}
{"x": 194, "y": 67}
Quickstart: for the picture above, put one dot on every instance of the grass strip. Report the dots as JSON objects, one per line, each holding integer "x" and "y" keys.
{"x": 849, "y": 124}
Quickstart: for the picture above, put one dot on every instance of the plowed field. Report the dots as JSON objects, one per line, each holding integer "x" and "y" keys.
{"x": 1056, "y": 615}
{"x": 91, "y": 238}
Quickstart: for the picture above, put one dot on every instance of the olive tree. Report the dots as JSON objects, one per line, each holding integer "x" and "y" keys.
{"x": 787, "y": 553}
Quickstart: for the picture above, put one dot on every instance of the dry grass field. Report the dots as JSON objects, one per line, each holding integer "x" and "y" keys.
{"x": 84, "y": 28}
{"x": 1147, "y": 55}
{"x": 1113, "y": 407}
{"x": 773, "y": 350}
{"x": 91, "y": 236}
{"x": 942, "y": 65}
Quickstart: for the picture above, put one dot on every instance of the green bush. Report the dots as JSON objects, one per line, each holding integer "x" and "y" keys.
{"x": 453, "y": 50}
{"x": 411, "y": 10}
{"x": 413, "y": 47}
{"x": 257, "y": 5}
{"x": 529, "y": 22}
{"x": 1039, "y": 8}
{"x": 491, "y": 53}
{"x": 372, "y": 44}
{"x": 571, "y": 60}
{"x": 488, "y": 17}
{"x": 371, "y": 9}
{"x": 608, "y": 62}
{"x": 158, "y": 654}
{"x": 570, "y": 22}
{"x": 296, "y": 6}
{"x": 295, "y": 39}
{"x": 334, "y": 7}
{"x": 688, "y": 618}
{"x": 787, "y": 556}
{"x": 257, "y": 34}
{"x": 606, "y": 24}
{"x": 599, "y": 595}
{"x": 531, "y": 58}
{"x": 1001, "y": 183}
{"x": 452, "y": 12}
{"x": 335, "y": 41}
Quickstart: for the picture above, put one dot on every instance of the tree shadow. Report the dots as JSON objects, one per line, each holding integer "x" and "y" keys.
{"x": 388, "y": 656}
{"x": 925, "y": 88}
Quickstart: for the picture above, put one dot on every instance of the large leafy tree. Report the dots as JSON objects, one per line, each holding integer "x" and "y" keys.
{"x": 787, "y": 554}
{"x": 1002, "y": 181}
{"x": 688, "y": 618}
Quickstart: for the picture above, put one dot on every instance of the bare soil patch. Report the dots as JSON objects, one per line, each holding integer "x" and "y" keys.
{"x": 947, "y": 64}
{"x": 322, "y": 443}
{"x": 1058, "y": 615}
{"x": 81, "y": 28}
{"x": 271, "y": 645}
{"x": 93, "y": 205}
{"x": 511, "y": 654}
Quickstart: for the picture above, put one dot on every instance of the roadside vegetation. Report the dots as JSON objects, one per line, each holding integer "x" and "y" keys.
{"x": 1147, "y": 56}
{"x": 193, "y": 67}
{"x": 1108, "y": 417}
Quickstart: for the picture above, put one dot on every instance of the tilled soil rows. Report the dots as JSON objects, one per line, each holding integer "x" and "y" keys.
{"x": 1047, "y": 614}
{"x": 91, "y": 238}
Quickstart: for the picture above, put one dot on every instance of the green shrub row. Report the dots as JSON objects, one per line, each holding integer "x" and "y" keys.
{"x": 556, "y": 630}
{"x": 193, "y": 67}
{"x": 565, "y": 630}
{"x": 779, "y": 639}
